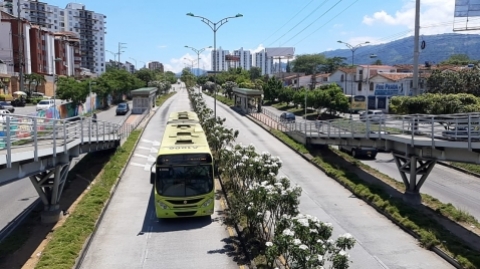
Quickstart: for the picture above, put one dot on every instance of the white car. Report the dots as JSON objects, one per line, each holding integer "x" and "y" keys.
{"x": 45, "y": 104}
{"x": 4, "y": 114}
{"x": 374, "y": 116}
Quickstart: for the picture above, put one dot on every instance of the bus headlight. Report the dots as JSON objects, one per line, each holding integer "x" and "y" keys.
{"x": 162, "y": 205}
{"x": 207, "y": 203}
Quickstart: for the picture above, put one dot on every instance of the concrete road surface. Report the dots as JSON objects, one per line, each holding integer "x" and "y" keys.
{"x": 446, "y": 184}
{"x": 130, "y": 236}
{"x": 17, "y": 196}
{"x": 381, "y": 244}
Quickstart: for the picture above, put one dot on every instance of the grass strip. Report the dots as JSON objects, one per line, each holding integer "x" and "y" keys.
{"x": 68, "y": 240}
{"x": 469, "y": 167}
{"x": 430, "y": 232}
{"x": 162, "y": 98}
{"x": 20, "y": 235}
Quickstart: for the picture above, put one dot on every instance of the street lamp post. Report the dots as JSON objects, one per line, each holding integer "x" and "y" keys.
{"x": 114, "y": 57}
{"x": 198, "y": 56}
{"x": 135, "y": 62}
{"x": 353, "y": 49}
{"x": 191, "y": 62}
{"x": 215, "y": 26}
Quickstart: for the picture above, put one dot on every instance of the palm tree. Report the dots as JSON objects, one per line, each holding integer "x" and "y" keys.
{"x": 39, "y": 79}
{"x": 28, "y": 79}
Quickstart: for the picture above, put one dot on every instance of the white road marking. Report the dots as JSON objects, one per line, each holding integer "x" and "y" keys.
{"x": 145, "y": 166}
{"x": 149, "y": 158}
{"x": 152, "y": 150}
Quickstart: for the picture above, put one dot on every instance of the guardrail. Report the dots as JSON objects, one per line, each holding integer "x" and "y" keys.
{"x": 451, "y": 127}
{"x": 21, "y": 133}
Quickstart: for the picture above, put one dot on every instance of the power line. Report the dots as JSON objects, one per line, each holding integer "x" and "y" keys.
{"x": 288, "y": 21}
{"x": 321, "y": 17}
{"x": 301, "y": 21}
{"x": 345, "y": 9}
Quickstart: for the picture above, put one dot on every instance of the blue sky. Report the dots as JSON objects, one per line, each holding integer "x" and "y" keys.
{"x": 159, "y": 30}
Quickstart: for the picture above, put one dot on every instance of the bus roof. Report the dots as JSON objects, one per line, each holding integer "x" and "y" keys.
{"x": 183, "y": 116}
{"x": 182, "y": 138}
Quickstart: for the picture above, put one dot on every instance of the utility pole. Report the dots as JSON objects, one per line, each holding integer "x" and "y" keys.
{"x": 20, "y": 48}
{"x": 120, "y": 47}
{"x": 416, "y": 52}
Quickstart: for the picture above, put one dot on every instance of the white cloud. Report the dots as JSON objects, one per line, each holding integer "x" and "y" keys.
{"x": 162, "y": 46}
{"x": 435, "y": 16}
{"x": 177, "y": 64}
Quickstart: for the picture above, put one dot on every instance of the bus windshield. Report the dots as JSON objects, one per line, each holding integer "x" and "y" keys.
{"x": 184, "y": 181}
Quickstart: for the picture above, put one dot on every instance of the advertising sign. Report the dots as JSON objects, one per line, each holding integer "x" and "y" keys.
{"x": 232, "y": 58}
{"x": 464, "y": 9}
{"x": 389, "y": 89}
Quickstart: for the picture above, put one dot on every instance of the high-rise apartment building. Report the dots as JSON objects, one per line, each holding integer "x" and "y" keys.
{"x": 264, "y": 62}
{"x": 155, "y": 66}
{"x": 89, "y": 25}
{"x": 245, "y": 61}
{"x": 218, "y": 60}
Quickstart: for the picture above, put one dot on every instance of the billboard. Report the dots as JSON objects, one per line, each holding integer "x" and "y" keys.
{"x": 389, "y": 89}
{"x": 232, "y": 58}
{"x": 464, "y": 9}
{"x": 280, "y": 52}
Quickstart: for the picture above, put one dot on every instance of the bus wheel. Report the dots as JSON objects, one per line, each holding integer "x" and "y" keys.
{"x": 354, "y": 153}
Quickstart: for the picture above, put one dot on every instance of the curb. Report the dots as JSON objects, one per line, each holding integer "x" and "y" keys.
{"x": 89, "y": 239}
{"x": 251, "y": 264}
{"x": 459, "y": 169}
{"x": 436, "y": 250}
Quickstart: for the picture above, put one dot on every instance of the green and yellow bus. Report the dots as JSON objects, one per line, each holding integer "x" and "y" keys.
{"x": 357, "y": 103}
{"x": 183, "y": 174}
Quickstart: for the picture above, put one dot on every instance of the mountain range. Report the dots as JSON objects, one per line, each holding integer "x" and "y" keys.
{"x": 437, "y": 49}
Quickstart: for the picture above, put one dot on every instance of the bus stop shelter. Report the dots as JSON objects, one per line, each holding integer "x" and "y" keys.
{"x": 248, "y": 100}
{"x": 143, "y": 99}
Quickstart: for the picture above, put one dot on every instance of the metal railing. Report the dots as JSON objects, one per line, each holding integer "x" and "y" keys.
{"x": 451, "y": 127}
{"x": 21, "y": 133}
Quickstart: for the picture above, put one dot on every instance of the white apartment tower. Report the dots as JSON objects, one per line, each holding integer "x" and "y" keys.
{"x": 245, "y": 59}
{"x": 264, "y": 62}
{"x": 73, "y": 18}
{"x": 218, "y": 60}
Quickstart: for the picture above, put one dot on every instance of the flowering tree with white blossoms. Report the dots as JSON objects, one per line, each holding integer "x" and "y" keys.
{"x": 304, "y": 242}
{"x": 258, "y": 194}
{"x": 269, "y": 204}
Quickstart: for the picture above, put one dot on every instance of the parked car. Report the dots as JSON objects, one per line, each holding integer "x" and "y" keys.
{"x": 287, "y": 117}
{"x": 122, "y": 109}
{"x": 360, "y": 151}
{"x": 375, "y": 116}
{"x": 4, "y": 114}
{"x": 7, "y": 106}
{"x": 18, "y": 102}
{"x": 45, "y": 104}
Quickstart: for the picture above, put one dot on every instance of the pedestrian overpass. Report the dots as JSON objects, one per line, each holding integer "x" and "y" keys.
{"x": 42, "y": 149}
{"x": 417, "y": 141}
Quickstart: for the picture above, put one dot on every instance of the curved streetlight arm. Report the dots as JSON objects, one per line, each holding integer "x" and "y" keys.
{"x": 354, "y": 48}
{"x": 214, "y": 25}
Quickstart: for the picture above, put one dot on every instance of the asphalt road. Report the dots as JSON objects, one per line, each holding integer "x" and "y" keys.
{"x": 380, "y": 243}
{"x": 130, "y": 236}
{"x": 18, "y": 195}
{"x": 447, "y": 185}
